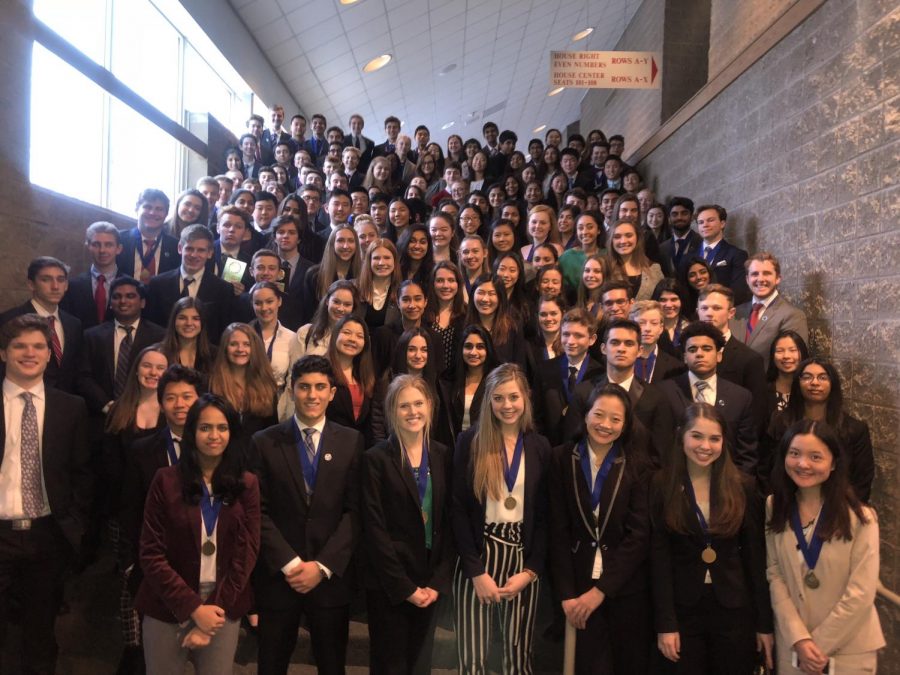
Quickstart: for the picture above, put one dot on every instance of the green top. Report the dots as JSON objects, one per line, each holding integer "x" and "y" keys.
{"x": 427, "y": 508}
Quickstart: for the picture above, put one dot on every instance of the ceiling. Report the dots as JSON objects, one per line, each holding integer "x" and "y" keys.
{"x": 459, "y": 61}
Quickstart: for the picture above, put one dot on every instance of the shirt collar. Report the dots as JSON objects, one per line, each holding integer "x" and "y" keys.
{"x": 768, "y": 301}
{"x": 11, "y": 390}
{"x": 713, "y": 381}
{"x": 40, "y": 311}
{"x": 319, "y": 426}
{"x": 121, "y": 325}
{"x": 109, "y": 277}
{"x": 196, "y": 276}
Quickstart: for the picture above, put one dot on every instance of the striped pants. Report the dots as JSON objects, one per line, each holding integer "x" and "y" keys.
{"x": 503, "y": 558}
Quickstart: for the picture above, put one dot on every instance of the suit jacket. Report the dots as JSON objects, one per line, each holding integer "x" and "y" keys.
{"x": 170, "y": 551}
{"x": 217, "y": 297}
{"x": 666, "y": 366}
{"x": 728, "y": 269}
{"x": 270, "y": 140}
{"x": 551, "y": 400}
{"x": 79, "y": 300}
{"x": 169, "y": 258}
{"x": 97, "y": 372}
{"x": 366, "y": 148}
{"x": 324, "y": 529}
{"x": 318, "y": 156}
{"x": 63, "y": 375}
{"x": 667, "y": 248}
{"x": 650, "y": 408}
{"x": 65, "y": 461}
{"x": 574, "y": 530}
{"x": 468, "y": 513}
{"x": 840, "y": 614}
{"x": 216, "y": 266}
{"x": 340, "y": 411}
{"x": 397, "y": 561}
{"x": 743, "y": 366}
{"x": 779, "y": 315}
{"x": 738, "y": 572}
{"x": 452, "y": 409}
{"x": 736, "y": 405}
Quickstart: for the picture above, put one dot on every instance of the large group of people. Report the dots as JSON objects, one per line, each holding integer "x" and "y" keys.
{"x": 434, "y": 377}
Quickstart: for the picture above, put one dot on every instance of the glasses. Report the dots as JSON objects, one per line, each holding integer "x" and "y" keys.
{"x": 806, "y": 378}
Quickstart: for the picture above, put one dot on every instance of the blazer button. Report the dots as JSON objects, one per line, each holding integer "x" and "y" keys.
{"x": 604, "y": 547}
{"x": 593, "y": 544}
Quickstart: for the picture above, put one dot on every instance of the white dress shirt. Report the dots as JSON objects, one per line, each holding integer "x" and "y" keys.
{"x": 57, "y": 324}
{"x": 196, "y": 276}
{"x": 709, "y": 394}
{"x": 11, "y": 469}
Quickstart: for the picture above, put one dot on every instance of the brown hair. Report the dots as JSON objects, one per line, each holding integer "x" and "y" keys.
{"x": 258, "y": 395}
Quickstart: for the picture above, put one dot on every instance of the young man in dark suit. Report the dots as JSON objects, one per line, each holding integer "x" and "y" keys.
{"x": 233, "y": 224}
{"x": 364, "y": 144}
{"x": 653, "y": 365}
{"x": 308, "y": 470}
{"x": 684, "y": 242}
{"x": 88, "y": 295}
{"x": 725, "y": 259}
{"x": 48, "y": 279}
{"x": 391, "y": 130}
{"x": 45, "y": 486}
{"x": 703, "y": 344}
{"x": 557, "y": 378}
{"x": 146, "y": 249}
{"x": 317, "y": 144}
{"x": 191, "y": 279}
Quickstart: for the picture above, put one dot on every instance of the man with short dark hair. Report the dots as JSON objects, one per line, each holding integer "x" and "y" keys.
{"x": 685, "y": 242}
{"x": 617, "y": 145}
{"x": 251, "y": 157}
{"x": 422, "y": 136}
{"x": 317, "y": 144}
{"x": 569, "y": 159}
{"x": 298, "y": 130}
{"x": 87, "y": 297}
{"x": 265, "y": 208}
{"x": 725, "y": 259}
{"x": 45, "y": 490}
{"x": 147, "y": 250}
{"x": 490, "y": 131}
{"x": 612, "y": 171}
{"x": 391, "y": 130}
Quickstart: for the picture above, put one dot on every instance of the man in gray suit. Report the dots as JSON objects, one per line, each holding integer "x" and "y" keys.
{"x": 757, "y": 322}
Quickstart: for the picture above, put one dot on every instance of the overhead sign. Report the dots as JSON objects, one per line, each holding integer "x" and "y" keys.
{"x": 605, "y": 70}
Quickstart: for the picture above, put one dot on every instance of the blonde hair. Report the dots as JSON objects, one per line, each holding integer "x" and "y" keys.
{"x": 487, "y": 443}
{"x": 400, "y": 383}
{"x": 553, "y": 236}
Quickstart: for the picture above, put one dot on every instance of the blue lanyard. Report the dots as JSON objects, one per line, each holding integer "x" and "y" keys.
{"x": 692, "y": 498}
{"x": 170, "y": 449}
{"x": 644, "y": 366}
{"x": 810, "y": 550}
{"x": 258, "y": 326}
{"x": 420, "y": 475}
{"x": 310, "y": 469}
{"x": 210, "y": 508}
{"x": 602, "y": 473}
{"x": 564, "y": 369}
{"x": 511, "y": 471}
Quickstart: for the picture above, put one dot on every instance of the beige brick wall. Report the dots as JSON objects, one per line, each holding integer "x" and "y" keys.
{"x": 734, "y": 24}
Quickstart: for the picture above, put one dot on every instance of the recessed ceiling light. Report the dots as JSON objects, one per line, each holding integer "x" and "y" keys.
{"x": 449, "y": 68}
{"x": 377, "y": 63}
{"x": 554, "y": 92}
{"x": 349, "y": 2}
{"x": 539, "y": 129}
{"x": 578, "y": 36}
{"x": 448, "y": 125}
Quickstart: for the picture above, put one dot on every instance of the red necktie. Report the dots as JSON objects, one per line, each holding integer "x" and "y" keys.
{"x": 54, "y": 340}
{"x": 100, "y": 298}
{"x": 150, "y": 267}
{"x": 754, "y": 317}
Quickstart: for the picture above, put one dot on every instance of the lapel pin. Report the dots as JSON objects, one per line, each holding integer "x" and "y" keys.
{"x": 721, "y": 402}
{"x": 327, "y": 457}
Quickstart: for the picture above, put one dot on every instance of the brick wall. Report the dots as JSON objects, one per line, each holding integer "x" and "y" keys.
{"x": 803, "y": 151}
{"x": 734, "y": 25}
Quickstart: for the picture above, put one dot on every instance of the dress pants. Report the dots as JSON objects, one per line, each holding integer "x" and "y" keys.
{"x": 618, "y": 637}
{"x": 32, "y": 562}
{"x": 164, "y": 654}
{"x": 401, "y": 637}
{"x": 329, "y": 629}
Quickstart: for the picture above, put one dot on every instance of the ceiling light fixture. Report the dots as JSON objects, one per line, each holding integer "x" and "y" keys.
{"x": 349, "y": 2}
{"x": 447, "y": 125}
{"x": 539, "y": 129}
{"x": 554, "y": 92}
{"x": 377, "y": 63}
{"x": 581, "y": 34}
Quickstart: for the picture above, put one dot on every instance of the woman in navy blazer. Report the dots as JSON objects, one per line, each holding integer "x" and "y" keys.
{"x": 406, "y": 531}
{"x": 199, "y": 544}
{"x": 499, "y": 522}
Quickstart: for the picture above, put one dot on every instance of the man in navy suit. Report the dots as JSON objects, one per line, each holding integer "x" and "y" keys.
{"x": 391, "y": 130}
{"x": 48, "y": 279}
{"x": 317, "y": 144}
{"x": 653, "y": 365}
{"x": 88, "y": 295}
{"x": 274, "y": 135}
{"x": 725, "y": 259}
{"x": 684, "y": 242}
{"x": 146, "y": 249}
{"x": 191, "y": 279}
{"x": 233, "y": 224}
{"x": 364, "y": 144}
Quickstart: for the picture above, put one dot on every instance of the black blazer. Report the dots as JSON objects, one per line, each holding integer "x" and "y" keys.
{"x": 453, "y": 403}
{"x": 340, "y": 411}
{"x": 63, "y": 375}
{"x": 742, "y": 365}
{"x": 728, "y": 269}
{"x": 736, "y": 405}
{"x": 625, "y": 544}
{"x": 215, "y": 265}
{"x": 79, "y": 300}
{"x": 550, "y": 399}
{"x": 667, "y": 249}
{"x": 169, "y": 258}
{"x": 65, "y": 461}
{"x": 97, "y": 373}
{"x": 666, "y": 366}
{"x": 651, "y": 409}
{"x": 738, "y": 573}
{"x": 217, "y": 297}
{"x": 325, "y": 529}
{"x": 468, "y": 513}
{"x": 397, "y": 561}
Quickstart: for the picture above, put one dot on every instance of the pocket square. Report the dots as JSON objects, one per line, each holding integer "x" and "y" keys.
{"x": 721, "y": 263}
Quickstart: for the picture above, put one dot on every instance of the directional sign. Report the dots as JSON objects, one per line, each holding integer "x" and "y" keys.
{"x": 605, "y": 70}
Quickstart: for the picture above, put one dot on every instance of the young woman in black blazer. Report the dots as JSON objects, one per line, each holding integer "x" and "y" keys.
{"x": 406, "y": 532}
{"x": 600, "y": 537}
{"x": 708, "y": 557}
{"x": 350, "y": 353}
{"x": 489, "y": 308}
{"x": 499, "y": 511}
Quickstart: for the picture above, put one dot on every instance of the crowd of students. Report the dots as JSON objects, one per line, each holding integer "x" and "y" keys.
{"x": 460, "y": 376}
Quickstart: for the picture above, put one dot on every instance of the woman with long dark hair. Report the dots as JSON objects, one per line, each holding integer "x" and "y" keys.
{"x": 416, "y": 258}
{"x": 341, "y": 260}
{"x": 510, "y": 269}
{"x": 787, "y": 352}
{"x": 694, "y": 276}
{"x": 280, "y": 343}
{"x": 628, "y": 260}
{"x": 191, "y": 208}
{"x": 822, "y": 547}
{"x": 340, "y": 300}
{"x": 445, "y": 311}
{"x": 186, "y": 341}
{"x": 489, "y": 308}
{"x": 350, "y": 354}
{"x": 711, "y": 601}
{"x": 199, "y": 544}
{"x": 378, "y": 282}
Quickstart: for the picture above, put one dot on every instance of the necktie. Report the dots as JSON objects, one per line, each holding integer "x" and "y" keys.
{"x": 32, "y": 489}
{"x": 702, "y": 386}
{"x": 186, "y": 289}
{"x": 150, "y": 267}
{"x": 356, "y": 142}
{"x": 678, "y": 250}
{"x": 55, "y": 344}
{"x": 310, "y": 450}
{"x": 573, "y": 379}
{"x": 100, "y": 298}
{"x": 708, "y": 253}
{"x": 754, "y": 318}
{"x": 122, "y": 362}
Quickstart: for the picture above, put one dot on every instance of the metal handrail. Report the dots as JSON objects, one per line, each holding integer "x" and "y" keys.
{"x": 888, "y": 594}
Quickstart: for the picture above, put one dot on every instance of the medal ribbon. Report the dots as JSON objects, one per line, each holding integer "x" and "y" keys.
{"x": 258, "y": 326}
{"x": 602, "y": 473}
{"x": 310, "y": 469}
{"x": 692, "y": 498}
{"x": 810, "y": 550}
{"x": 210, "y": 508}
{"x": 511, "y": 472}
{"x": 145, "y": 259}
{"x": 421, "y": 477}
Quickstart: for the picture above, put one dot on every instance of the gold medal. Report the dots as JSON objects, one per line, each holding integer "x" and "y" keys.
{"x": 424, "y": 516}
{"x": 510, "y": 502}
{"x": 709, "y": 555}
{"x": 811, "y": 580}
{"x": 208, "y": 547}
{"x": 145, "y": 276}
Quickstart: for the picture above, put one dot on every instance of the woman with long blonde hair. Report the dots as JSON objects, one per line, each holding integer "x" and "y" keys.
{"x": 499, "y": 511}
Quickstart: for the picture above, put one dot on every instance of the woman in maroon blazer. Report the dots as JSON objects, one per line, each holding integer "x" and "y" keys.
{"x": 199, "y": 544}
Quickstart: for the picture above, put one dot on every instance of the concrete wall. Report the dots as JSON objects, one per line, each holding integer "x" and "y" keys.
{"x": 803, "y": 151}
{"x": 734, "y": 25}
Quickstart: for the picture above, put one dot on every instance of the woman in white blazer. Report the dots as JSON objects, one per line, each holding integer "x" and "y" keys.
{"x": 822, "y": 550}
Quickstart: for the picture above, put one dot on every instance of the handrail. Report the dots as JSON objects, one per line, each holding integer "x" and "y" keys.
{"x": 888, "y": 594}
